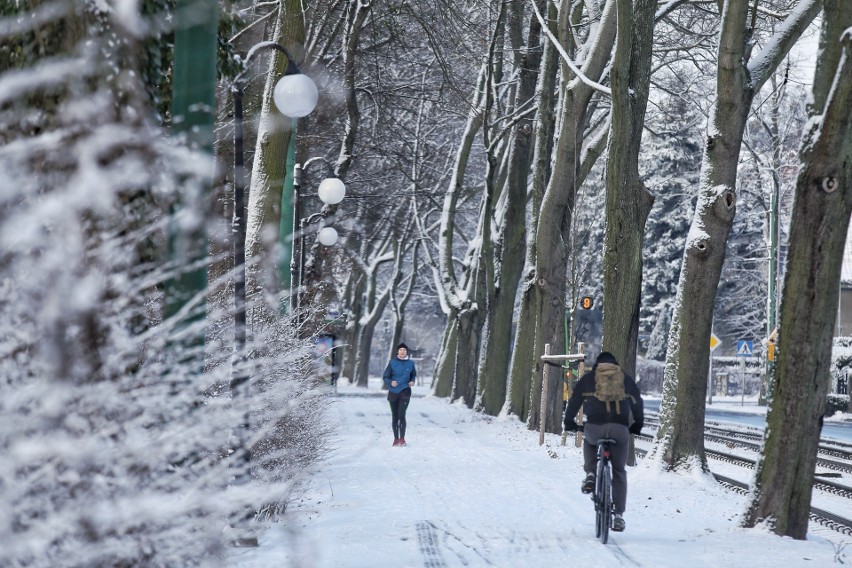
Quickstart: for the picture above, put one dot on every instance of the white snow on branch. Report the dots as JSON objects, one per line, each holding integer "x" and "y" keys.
{"x": 567, "y": 58}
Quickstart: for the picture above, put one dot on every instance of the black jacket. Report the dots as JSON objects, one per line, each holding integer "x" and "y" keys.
{"x": 596, "y": 411}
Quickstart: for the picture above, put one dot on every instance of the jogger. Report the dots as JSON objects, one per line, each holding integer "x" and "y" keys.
{"x": 399, "y": 378}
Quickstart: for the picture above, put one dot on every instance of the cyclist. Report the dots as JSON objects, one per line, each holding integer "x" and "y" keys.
{"x": 608, "y": 397}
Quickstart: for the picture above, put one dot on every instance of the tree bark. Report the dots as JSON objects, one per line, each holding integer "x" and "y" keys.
{"x": 628, "y": 202}
{"x": 267, "y": 178}
{"x": 319, "y": 292}
{"x": 522, "y": 351}
{"x": 457, "y": 294}
{"x": 442, "y": 381}
{"x": 375, "y": 308}
{"x": 355, "y": 299}
{"x": 680, "y": 438}
{"x": 555, "y": 219}
{"x": 509, "y": 251}
{"x": 818, "y": 227}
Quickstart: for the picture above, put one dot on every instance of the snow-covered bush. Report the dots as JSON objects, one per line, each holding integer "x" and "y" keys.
{"x": 836, "y": 403}
{"x": 115, "y": 419}
{"x": 841, "y": 370}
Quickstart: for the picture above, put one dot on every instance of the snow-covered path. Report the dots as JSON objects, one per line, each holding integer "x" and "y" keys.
{"x": 471, "y": 490}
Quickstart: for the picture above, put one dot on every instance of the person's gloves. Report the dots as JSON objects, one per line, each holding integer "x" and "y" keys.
{"x": 635, "y": 428}
{"x": 570, "y": 426}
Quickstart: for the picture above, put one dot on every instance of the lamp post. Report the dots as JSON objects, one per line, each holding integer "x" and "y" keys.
{"x": 295, "y": 95}
{"x": 331, "y": 191}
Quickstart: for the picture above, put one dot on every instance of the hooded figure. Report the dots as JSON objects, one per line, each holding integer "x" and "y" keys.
{"x": 610, "y": 400}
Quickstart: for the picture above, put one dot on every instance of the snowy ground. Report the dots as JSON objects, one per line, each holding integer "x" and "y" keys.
{"x": 471, "y": 490}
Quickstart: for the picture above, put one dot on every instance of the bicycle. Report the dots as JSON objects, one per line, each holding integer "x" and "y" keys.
{"x": 602, "y": 496}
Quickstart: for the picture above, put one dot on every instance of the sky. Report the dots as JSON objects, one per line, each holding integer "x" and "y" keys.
{"x": 473, "y": 490}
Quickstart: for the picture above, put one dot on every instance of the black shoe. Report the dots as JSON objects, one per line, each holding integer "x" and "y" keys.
{"x": 618, "y": 523}
{"x": 588, "y": 484}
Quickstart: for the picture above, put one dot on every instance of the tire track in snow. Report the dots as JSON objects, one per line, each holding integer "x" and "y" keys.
{"x": 427, "y": 540}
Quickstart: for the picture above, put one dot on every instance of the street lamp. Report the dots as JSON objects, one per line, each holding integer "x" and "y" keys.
{"x": 331, "y": 191}
{"x": 295, "y": 95}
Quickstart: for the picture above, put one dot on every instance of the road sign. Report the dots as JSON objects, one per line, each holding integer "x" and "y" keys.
{"x": 714, "y": 341}
{"x": 744, "y": 348}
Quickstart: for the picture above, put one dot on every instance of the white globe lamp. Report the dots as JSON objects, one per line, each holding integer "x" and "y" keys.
{"x": 327, "y": 236}
{"x": 331, "y": 190}
{"x": 295, "y": 95}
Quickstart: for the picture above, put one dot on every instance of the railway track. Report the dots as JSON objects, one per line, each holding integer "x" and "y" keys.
{"x": 833, "y": 455}
{"x": 750, "y": 441}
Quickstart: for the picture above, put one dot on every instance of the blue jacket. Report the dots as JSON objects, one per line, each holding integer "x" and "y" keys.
{"x": 400, "y": 370}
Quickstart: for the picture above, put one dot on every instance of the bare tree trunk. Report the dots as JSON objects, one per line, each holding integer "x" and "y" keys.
{"x": 318, "y": 291}
{"x": 355, "y": 297}
{"x": 555, "y": 219}
{"x": 398, "y": 306}
{"x": 442, "y": 380}
{"x": 467, "y": 356}
{"x": 509, "y": 252}
{"x": 522, "y": 351}
{"x": 270, "y": 158}
{"x": 445, "y": 364}
{"x": 374, "y": 310}
{"x": 784, "y": 478}
{"x": 628, "y": 202}
{"x": 680, "y": 437}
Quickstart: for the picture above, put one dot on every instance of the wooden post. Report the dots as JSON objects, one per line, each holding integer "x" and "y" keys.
{"x": 545, "y": 383}
{"x": 581, "y": 370}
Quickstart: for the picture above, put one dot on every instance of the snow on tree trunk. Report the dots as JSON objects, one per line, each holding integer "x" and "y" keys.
{"x": 398, "y": 306}
{"x": 509, "y": 251}
{"x": 374, "y": 304}
{"x": 628, "y": 202}
{"x": 355, "y": 294}
{"x": 522, "y": 351}
{"x": 457, "y": 294}
{"x": 555, "y": 216}
{"x": 442, "y": 377}
{"x": 267, "y": 176}
{"x": 818, "y": 227}
{"x": 680, "y": 438}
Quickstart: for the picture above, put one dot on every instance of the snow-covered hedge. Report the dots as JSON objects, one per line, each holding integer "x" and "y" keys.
{"x": 115, "y": 421}
{"x": 837, "y": 403}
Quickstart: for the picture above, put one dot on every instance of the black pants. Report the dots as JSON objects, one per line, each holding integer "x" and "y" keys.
{"x": 618, "y": 457}
{"x": 399, "y": 404}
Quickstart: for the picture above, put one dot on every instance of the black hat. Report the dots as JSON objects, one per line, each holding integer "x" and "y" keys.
{"x": 402, "y": 346}
{"x": 606, "y": 357}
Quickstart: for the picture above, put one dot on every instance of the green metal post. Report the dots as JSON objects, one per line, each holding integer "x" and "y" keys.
{"x": 771, "y": 303}
{"x": 286, "y": 227}
{"x": 193, "y": 112}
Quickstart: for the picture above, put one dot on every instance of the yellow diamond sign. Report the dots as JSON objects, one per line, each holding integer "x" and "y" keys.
{"x": 714, "y": 341}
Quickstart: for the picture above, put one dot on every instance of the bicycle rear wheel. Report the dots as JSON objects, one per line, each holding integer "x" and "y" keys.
{"x": 606, "y": 504}
{"x": 599, "y": 500}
